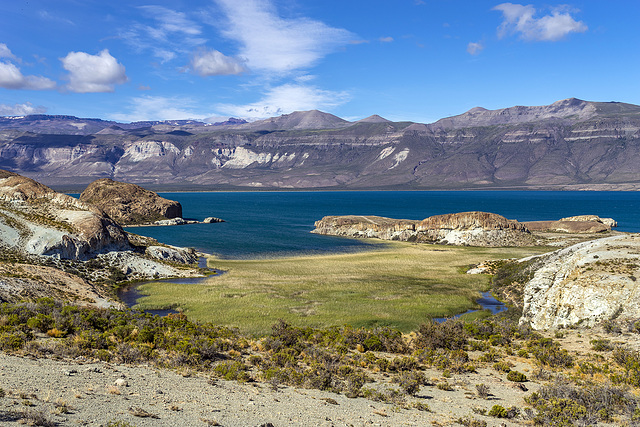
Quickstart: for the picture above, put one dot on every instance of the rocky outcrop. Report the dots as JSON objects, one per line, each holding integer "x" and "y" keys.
{"x": 585, "y": 284}
{"x": 129, "y": 204}
{"x": 36, "y": 220}
{"x": 609, "y": 222}
{"x": 173, "y": 254}
{"x": 579, "y": 224}
{"x": 464, "y": 229}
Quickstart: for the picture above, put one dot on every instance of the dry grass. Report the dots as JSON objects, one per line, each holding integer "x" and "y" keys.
{"x": 400, "y": 286}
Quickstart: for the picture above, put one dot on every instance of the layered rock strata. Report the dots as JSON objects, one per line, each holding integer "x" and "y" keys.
{"x": 585, "y": 284}
{"x": 36, "y": 220}
{"x": 464, "y": 229}
{"x": 129, "y": 203}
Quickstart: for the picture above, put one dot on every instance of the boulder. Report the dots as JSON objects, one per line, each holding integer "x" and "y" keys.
{"x": 466, "y": 228}
{"x": 129, "y": 204}
{"x": 585, "y": 284}
{"x": 212, "y": 220}
{"x": 173, "y": 254}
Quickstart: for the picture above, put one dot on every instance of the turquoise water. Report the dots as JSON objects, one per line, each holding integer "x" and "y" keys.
{"x": 260, "y": 224}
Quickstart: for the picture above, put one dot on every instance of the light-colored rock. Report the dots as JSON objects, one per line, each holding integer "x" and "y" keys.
{"x": 465, "y": 228}
{"x": 173, "y": 254}
{"x": 175, "y": 221}
{"x": 584, "y": 284}
{"x": 39, "y": 221}
{"x": 212, "y": 220}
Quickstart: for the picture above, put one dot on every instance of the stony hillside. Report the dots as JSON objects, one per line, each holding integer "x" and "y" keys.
{"x": 571, "y": 144}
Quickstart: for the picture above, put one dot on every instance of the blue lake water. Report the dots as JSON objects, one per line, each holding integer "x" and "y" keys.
{"x": 265, "y": 224}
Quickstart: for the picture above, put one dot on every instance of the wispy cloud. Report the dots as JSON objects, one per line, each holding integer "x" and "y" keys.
{"x": 159, "y": 108}
{"x": 273, "y": 44}
{"x": 474, "y": 48}
{"x": 48, "y": 16}
{"x": 386, "y": 39}
{"x": 285, "y": 99}
{"x": 12, "y": 78}
{"x": 520, "y": 19}
{"x": 210, "y": 62}
{"x": 171, "y": 32}
{"x": 93, "y": 73}
{"x": 21, "y": 109}
{"x": 5, "y": 52}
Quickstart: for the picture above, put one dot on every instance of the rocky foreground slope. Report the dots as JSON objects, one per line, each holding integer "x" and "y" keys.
{"x": 585, "y": 284}
{"x": 570, "y": 144}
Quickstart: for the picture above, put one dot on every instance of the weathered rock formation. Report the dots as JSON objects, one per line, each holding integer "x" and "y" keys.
{"x": 584, "y": 284}
{"x": 36, "y": 220}
{"x": 129, "y": 204}
{"x": 464, "y": 229}
{"x": 580, "y": 224}
{"x": 610, "y": 222}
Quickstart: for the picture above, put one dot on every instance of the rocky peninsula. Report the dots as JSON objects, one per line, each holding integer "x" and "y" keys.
{"x": 464, "y": 229}
{"x": 54, "y": 245}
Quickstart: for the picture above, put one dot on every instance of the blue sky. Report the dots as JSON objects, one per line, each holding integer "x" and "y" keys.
{"x": 417, "y": 60}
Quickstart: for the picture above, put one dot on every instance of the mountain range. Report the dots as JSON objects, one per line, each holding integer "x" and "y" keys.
{"x": 570, "y": 144}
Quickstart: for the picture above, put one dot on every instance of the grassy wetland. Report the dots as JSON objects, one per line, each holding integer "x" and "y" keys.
{"x": 399, "y": 285}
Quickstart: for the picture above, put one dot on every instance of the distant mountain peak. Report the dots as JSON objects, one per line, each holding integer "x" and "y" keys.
{"x": 570, "y": 109}
{"x": 312, "y": 119}
{"x": 374, "y": 119}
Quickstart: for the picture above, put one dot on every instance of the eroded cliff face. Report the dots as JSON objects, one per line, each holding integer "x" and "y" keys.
{"x": 37, "y": 220}
{"x": 463, "y": 229}
{"x": 571, "y": 144}
{"x": 585, "y": 284}
{"x": 128, "y": 203}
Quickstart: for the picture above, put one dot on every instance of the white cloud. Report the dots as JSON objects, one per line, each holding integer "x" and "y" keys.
{"x": 5, "y": 52}
{"x": 286, "y": 99}
{"x": 474, "y": 48}
{"x": 159, "y": 108}
{"x": 172, "y": 32}
{"x": 521, "y": 19}
{"x": 93, "y": 73}
{"x": 386, "y": 39}
{"x": 12, "y": 78}
{"x": 271, "y": 43}
{"x": 21, "y": 109}
{"x": 209, "y": 62}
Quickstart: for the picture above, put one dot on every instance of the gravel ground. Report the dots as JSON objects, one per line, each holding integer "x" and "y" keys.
{"x": 96, "y": 394}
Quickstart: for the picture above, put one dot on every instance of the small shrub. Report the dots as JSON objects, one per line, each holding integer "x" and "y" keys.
{"x": 482, "y": 390}
{"x": 516, "y": 376}
{"x": 601, "y": 345}
{"x": 498, "y": 411}
{"x": 471, "y": 422}
{"x": 502, "y": 366}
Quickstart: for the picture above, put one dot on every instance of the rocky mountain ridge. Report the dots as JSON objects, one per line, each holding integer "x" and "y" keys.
{"x": 571, "y": 144}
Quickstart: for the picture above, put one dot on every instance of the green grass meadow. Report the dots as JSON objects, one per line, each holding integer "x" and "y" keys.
{"x": 399, "y": 285}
